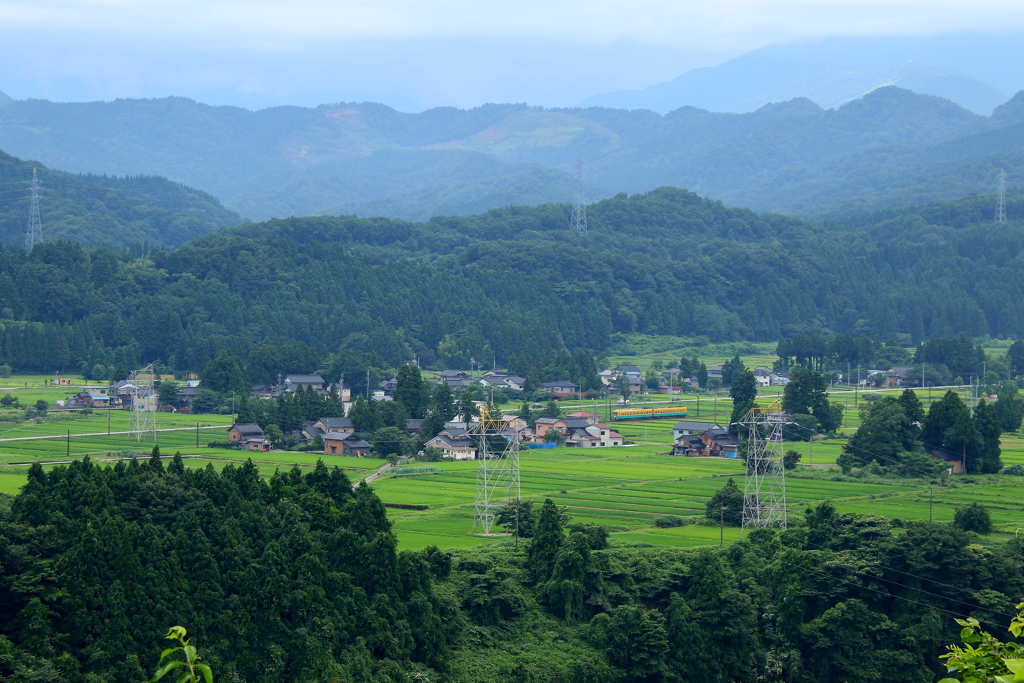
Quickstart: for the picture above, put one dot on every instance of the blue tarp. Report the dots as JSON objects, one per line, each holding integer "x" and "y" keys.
{"x": 550, "y": 444}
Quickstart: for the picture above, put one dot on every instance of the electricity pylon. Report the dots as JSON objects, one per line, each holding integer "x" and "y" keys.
{"x": 764, "y": 489}
{"x": 142, "y": 388}
{"x": 34, "y": 234}
{"x": 1001, "y": 205}
{"x": 497, "y": 474}
{"x": 578, "y": 222}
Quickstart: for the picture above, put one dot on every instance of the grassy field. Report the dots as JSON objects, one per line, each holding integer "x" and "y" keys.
{"x": 624, "y": 488}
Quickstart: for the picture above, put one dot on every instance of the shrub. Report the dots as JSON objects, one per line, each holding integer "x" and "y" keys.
{"x": 1014, "y": 470}
{"x": 973, "y": 517}
{"x": 669, "y": 521}
{"x": 790, "y": 459}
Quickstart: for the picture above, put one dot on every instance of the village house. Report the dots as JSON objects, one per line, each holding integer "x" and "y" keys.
{"x": 293, "y": 383}
{"x": 455, "y": 444}
{"x": 494, "y": 382}
{"x": 692, "y": 438}
{"x": 543, "y": 424}
{"x": 636, "y": 386}
{"x": 90, "y": 397}
{"x": 688, "y": 427}
{"x": 346, "y": 444}
{"x": 631, "y": 371}
{"x": 186, "y": 395}
{"x": 590, "y": 417}
{"x": 449, "y": 376}
{"x": 763, "y": 376}
{"x": 594, "y": 436}
{"x": 558, "y": 390}
{"x": 248, "y": 436}
{"x": 954, "y": 461}
{"x": 335, "y": 424}
{"x": 515, "y": 382}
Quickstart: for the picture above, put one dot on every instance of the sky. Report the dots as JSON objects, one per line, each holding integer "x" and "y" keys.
{"x": 413, "y": 54}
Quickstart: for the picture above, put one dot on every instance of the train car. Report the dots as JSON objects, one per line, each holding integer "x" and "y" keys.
{"x": 648, "y": 413}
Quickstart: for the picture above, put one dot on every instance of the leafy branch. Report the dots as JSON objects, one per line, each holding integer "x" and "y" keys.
{"x": 191, "y": 661}
{"x": 991, "y": 660}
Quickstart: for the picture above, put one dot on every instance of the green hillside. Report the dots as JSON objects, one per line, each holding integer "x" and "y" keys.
{"x": 515, "y": 281}
{"x": 890, "y": 148}
{"x": 103, "y": 210}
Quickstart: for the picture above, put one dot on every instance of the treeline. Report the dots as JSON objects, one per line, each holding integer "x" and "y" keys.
{"x": 299, "y": 579}
{"x": 455, "y": 290}
{"x": 935, "y": 361}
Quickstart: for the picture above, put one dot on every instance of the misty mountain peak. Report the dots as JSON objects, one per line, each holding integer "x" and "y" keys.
{"x": 1010, "y": 112}
{"x": 5, "y": 98}
{"x": 796, "y": 108}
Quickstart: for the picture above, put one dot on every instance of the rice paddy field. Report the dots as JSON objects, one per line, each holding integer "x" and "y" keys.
{"x": 624, "y": 488}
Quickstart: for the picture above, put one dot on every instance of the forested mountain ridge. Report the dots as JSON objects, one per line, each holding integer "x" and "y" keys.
{"x": 515, "y": 281}
{"x": 890, "y": 148}
{"x": 95, "y": 210}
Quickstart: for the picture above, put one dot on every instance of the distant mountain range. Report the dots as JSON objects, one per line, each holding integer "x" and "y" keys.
{"x": 892, "y": 147}
{"x": 834, "y": 71}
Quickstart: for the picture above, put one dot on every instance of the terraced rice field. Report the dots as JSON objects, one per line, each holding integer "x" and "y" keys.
{"x": 623, "y": 488}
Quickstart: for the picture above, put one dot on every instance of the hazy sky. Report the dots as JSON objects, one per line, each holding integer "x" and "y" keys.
{"x": 414, "y": 54}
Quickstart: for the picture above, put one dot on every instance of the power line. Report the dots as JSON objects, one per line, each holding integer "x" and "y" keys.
{"x": 887, "y": 594}
{"x": 915, "y": 576}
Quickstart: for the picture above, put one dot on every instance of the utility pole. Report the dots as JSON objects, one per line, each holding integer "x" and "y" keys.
{"x": 1000, "y": 205}
{"x": 518, "y": 503}
{"x": 929, "y": 506}
{"x": 197, "y": 435}
{"x": 108, "y": 420}
{"x": 721, "y": 526}
{"x": 367, "y": 382}
{"x": 69, "y": 444}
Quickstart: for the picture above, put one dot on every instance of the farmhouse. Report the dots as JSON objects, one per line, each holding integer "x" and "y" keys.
{"x": 594, "y": 436}
{"x": 347, "y": 444}
{"x": 455, "y": 444}
{"x": 249, "y": 436}
{"x": 292, "y": 383}
{"x": 559, "y": 389}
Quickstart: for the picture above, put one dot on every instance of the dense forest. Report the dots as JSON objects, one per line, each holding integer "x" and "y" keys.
{"x": 513, "y": 281}
{"x": 121, "y": 212}
{"x": 300, "y": 579}
{"x": 890, "y": 148}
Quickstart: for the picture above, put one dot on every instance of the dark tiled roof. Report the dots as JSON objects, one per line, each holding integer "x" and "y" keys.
{"x": 247, "y": 429}
{"x": 332, "y": 423}
{"x": 690, "y": 425}
{"x": 304, "y": 379}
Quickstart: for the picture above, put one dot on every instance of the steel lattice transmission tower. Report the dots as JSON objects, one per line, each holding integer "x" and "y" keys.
{"x": 1001, "y": 205}
{"x": 142, "y": 388}
{"x": 34, "y": 234}
{"x": 764, "y": 490}
{"x": 578, "y": 222}
{"x": 497, "y": 475}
